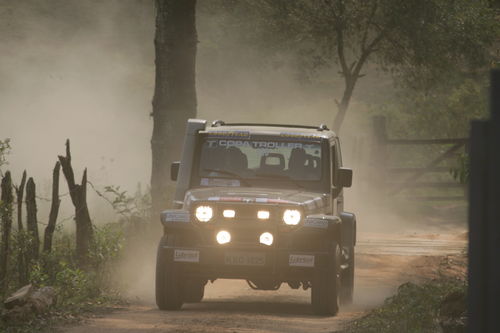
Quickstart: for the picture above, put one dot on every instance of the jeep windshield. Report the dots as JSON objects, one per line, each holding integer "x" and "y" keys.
{"x": 235, "y": 161}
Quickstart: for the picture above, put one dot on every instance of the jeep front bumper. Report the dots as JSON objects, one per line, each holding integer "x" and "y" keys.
{"x": 247, "y": 263}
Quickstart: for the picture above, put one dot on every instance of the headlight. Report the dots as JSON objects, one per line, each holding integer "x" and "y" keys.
{"x": 266, "y": 238}
{"x": 228, "y": 213}
{"x": 204, "y": 213}
{"x": 291, "y": 216}
{"x": 223, "y": 237}
{"x": 263, "y": 215}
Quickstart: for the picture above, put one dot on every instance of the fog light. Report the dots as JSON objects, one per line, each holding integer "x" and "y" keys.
{"x": 223, "y": 237}
{"x": 291, "y": 216}
{"x": 263, "y": 215}
{"x": 229, "y": 213}
{"x": 204, "y": 213}
{"x": 266, "y": 238}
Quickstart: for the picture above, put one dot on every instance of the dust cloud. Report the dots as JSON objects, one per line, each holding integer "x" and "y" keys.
{"x": 84, "y": 70}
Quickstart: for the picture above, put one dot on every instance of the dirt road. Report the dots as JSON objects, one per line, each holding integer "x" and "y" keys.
{"x": 382, "y": 264}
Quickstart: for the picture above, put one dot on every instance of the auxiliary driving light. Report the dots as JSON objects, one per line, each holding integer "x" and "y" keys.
{"x": 263, "y": 215}
{"x": 266, "y": 238}
{"x": 229, "y": 213}
{"x": 223, "y": 237}
{"x": 204, "y": 213}
{"x": 291, "y": 216}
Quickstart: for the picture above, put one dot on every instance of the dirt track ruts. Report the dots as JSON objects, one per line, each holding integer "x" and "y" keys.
{"x": 231, "y": 306}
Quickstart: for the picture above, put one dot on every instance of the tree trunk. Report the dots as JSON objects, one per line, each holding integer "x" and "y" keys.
{"x": 6, "y": 217}
{"x": 31, "y": 220}
{"x": 174, "y": 100}
{"x": 78, "y": 194}
{"x": 350, "y": 83}
{"x": 54, "y": 210}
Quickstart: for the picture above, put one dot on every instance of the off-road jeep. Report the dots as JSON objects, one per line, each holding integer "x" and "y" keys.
{"x": 258, "y": 202}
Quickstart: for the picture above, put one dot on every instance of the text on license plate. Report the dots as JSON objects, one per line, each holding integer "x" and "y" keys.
{"x": 245, "y": 258}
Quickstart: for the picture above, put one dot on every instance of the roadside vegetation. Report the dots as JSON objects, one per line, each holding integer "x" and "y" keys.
{"x": 80, "y": 285}
{"x": 432, "y": 305}
{"x": 415, "y": 308}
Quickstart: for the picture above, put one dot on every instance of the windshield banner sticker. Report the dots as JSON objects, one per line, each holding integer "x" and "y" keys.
{"x": 257, "y": 144}
{"x": 228, "y": 134}
{"x": 299, "y": 136}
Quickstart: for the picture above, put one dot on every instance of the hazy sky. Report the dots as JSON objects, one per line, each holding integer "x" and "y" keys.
{"x": 84, "y": 70}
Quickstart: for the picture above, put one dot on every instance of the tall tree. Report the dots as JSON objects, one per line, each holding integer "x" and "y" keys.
{"x": 418, "y": 40}
{"x": 174, "y": 100}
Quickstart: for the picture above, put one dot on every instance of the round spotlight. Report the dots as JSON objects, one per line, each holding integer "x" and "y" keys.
{"x": 291, "y": 216}
{"x": 266, "y": 238}
{"x": 263, "y": 215}
{"x": 229, "y": 213}
{"x": 204, "y": 213}
{"x": 223, "y": 237}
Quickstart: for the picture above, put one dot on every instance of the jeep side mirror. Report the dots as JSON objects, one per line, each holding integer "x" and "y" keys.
{"x": 344, "y": 177}
{"x": 174, "y": 170}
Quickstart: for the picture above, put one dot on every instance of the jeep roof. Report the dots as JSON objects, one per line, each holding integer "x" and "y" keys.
{"x": 320, "y": 131}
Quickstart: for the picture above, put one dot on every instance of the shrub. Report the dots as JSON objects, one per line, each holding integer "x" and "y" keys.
{"x": 414, "y": 309}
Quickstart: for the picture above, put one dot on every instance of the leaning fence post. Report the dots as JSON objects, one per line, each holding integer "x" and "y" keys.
{"x": 379, "y": 152}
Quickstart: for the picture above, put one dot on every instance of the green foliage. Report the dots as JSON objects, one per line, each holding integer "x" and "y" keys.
{"x": 4, "y": 150}
{"x": 106, "y": 246}
{"x": 462, "y": 172}
{"x": 133, "y": 209}
{"x": 414, "y": 309}
{"x": 415, "y": 39}
{"x": 423, "y": 44}
{"x": 77, "y": 289}
{"x": 443, "y": 111}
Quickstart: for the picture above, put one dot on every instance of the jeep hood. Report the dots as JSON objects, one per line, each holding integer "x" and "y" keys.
{"x": 310, "y": 201}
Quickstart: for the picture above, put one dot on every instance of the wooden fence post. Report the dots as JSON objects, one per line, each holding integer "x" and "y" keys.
{"x": 22, "y": 268}
{"x": 484, "y": 219}
{"x": 54, "y": 210}
{"x": 19, "y": 195}
{"x": 31, "y": 220}
{"x": 78, "y": 194}
{"x": 379, "y": 152}
{"x": 6, "y": 219}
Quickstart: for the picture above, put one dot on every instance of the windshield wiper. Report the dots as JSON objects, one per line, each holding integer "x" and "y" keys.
{"x": 273, "y": 175}
{"x": 229, "y": 173}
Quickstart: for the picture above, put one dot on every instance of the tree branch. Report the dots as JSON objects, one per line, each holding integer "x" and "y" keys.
{"x": 368, "y": 24}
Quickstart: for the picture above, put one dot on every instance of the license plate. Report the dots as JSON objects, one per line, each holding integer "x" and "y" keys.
{"x": 187, "y": 256}
{"x": 301, "y": 260}
{"x": 245, "y": 259}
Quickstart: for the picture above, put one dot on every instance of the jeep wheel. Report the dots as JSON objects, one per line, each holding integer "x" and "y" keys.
{"x": 194, "y": 291}
{"x": 169, "y": 282}
{"x": 346, "y": 293}
{"x": 326, "y": 285}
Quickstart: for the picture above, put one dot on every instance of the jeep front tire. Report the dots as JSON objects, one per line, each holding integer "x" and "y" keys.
{"x": 326, "y": 285}
{"x": 194, "y": 291}
{"x": 169, "y": 282}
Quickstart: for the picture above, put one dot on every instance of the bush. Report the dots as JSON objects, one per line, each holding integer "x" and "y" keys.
{"x": 414, "y": 309}
{"x": 59, "y": 268}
